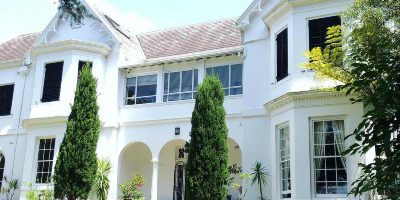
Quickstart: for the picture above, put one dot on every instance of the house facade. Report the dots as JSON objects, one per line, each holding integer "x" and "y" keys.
{"x": 146, "y": 89}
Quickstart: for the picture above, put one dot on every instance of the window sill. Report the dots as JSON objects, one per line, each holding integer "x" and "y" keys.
{"x": 239, "y": 96}
{"x": 6, "y": 116}
{"x": 330, "y": 196}
{"x": 280, "y": 82}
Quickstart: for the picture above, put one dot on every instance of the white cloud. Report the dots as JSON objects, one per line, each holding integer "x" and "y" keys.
{"x": 129, "y": 20}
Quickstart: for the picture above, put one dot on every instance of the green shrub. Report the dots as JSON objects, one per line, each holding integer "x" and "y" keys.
{"x": 130, "y": 188}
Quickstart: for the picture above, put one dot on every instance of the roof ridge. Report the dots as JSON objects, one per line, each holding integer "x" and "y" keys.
{"x": 187, "y": 25}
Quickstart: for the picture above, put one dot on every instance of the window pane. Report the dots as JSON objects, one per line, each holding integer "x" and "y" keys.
{"x": 143, "y": 100}
{"x": 321, "y": 188}
{"x": 131, "y": 81}
{"x": 174, "y": 82}
{"x": 222, "y": 73}
{"x": 146, "y": 90}
{"x": 196, "y": 79}
{"x": 187, "y": 78}
{"x": 236, "y": 75}
{"x": 236, "y": 91}
{"x": 185, "y": 96}
{"x": 147, "y": 80}
{"x": 209, "y": 71}
{"x": 173, "y": 97}
{"x": 166, "y": 78}
{"x": 130, "y": 91}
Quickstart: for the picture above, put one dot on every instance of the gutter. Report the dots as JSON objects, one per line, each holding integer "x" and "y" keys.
{"x": 238, "y": 50}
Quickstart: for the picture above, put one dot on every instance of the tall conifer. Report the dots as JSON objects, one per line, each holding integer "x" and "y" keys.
{"x": 77, "y": 162}
{"x": 207, "y": 168}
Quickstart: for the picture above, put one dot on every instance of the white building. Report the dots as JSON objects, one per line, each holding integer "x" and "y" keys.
{"x": 146, "y": 85}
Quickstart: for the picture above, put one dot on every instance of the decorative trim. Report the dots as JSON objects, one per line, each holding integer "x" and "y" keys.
{"x": 188, "y": 57}
{"x": 301, "y": 96}
{"x": 71, "y": 45}
{"x": 279, "y": 7}
{"x": 27, "y": 123}
{"x": 253, "y": 10}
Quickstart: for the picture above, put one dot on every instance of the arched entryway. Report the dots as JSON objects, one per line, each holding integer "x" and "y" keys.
{"x": 172, "y": 159}
{"x": 235, "y": 159}
{"x": 2, "y": 163}
{"x": 136, "y": 158}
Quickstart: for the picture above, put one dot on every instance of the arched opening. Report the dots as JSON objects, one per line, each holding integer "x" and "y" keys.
{"x": 172, "y": 159}
{"x": 2, "y": 163}
{"x": 235, "y": 163}
{"x": 136, "y": 158}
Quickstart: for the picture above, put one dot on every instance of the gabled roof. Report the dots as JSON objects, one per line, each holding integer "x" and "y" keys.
{"x": 16, "y": 48}
{"x": 174, "y": 42}
{"x": 195, "y": 38}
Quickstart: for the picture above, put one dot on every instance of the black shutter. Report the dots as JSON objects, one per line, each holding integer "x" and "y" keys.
{"x": 282, "y": 55}
{"x": 6, "y": 97}
{"x": 82, "y": 64}
{"x": 52, "y": 82}
{"x": 318, "y": 29}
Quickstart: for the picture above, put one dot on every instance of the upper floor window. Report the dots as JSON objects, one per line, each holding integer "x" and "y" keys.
{"x": 284, "y": 150}
{"x": 2, "y": 163}
{"x": 318, "y": 29}
{"x": 230, "y": 77}
{"x": 141, "y": 90}
{"x": 6, "y": 97}
{"x": 81, "y": 64}
{"x": 52, "y": 82}
{"x": 45, "y": 160}
{"x": 282, "y": 55}
{"x": 180, "y": 85}
{"x": 330, "y": 176}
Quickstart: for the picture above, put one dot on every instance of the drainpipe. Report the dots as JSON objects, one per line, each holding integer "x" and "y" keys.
{"x": 24, "y": 70}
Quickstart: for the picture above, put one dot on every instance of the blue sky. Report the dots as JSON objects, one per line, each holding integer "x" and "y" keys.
{"x": 18, "y": 17}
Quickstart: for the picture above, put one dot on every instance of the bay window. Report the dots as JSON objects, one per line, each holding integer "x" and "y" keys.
{"x": 141, "y": 90}
{"x": 330, "y": 176}
{"x": 180, "y": 85}
{"x": 231, "y": 77}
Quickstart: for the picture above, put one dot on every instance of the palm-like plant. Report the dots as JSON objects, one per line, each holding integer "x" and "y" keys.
{"x": 102, "y": 183}
{"x": 259, "y": 175}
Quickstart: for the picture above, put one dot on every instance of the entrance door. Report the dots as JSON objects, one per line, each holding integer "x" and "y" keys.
{"x": 179, "y": 175}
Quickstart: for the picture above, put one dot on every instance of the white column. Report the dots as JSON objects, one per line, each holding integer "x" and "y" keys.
{"x": 154, "y": 182}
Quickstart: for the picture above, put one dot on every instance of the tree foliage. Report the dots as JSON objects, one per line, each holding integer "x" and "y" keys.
{"x": 76, "y": 164}
{"x": 259, "y": 176}
{"x": 207, "y": 168}
{"x": 73, "y": 10}
{"x": 369, "y": 66}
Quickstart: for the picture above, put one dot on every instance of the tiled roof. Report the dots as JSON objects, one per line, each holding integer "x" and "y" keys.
{"x": 195, "y": 38}
{"x": 190, "y": 39}
{"x": 16, "y": 48}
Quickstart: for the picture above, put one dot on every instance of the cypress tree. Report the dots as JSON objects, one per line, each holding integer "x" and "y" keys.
{"x": 76, "y": 164}
{"x": 207, "y": 168}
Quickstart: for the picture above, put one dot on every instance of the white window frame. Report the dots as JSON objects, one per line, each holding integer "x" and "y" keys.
{"x": 136, "y": 86}
{"x": 2, "y": 167}
{"x": 193, "y": 91}
{"x": 37, "y": 160}
{"x": 279, "y": 128}
{"x": 311, "y": 132}
{"x": 229, "y": 78}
